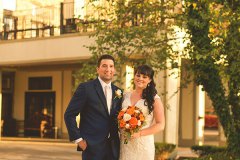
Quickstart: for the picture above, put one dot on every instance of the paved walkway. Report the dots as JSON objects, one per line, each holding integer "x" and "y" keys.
{"x": 183, "y": 153}
{"x": 23, "y": 150}
{"x": 50, "y": 149}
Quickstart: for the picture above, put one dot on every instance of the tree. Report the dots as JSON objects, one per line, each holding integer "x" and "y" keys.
{"x": 132, "y": 31}
{"x": 143, "y": 31}
{"x": 215, "y": 60}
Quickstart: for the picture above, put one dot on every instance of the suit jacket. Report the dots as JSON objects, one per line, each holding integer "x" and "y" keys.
{"x": 96, "y": 124}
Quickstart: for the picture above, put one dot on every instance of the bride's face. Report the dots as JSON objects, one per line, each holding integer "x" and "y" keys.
{"x": 141, "y": 81}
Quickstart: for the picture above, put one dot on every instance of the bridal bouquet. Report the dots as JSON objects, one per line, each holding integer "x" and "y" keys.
{"x": 130, "y": 120}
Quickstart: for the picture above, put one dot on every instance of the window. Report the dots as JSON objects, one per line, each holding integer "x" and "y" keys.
{"x": 40, "y": 83}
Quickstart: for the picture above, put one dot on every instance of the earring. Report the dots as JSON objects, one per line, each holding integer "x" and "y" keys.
{"x": 148, "y": 84}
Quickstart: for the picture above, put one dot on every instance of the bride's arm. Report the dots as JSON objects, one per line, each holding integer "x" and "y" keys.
{"x": 158, "y": 113}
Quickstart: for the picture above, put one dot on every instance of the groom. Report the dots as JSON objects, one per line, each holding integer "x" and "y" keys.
{"x": 98, "y": 103}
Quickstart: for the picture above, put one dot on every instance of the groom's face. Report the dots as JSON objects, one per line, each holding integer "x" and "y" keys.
{"x": 106, "y": 70}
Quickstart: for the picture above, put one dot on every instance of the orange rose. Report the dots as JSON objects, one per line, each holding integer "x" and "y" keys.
{"x": 122, "y": 123}
{"x": 130, "y": 110}
{"x": 133, "y": 122}
{"x": 121, "y": 113}
{"x": 141, "y": 117}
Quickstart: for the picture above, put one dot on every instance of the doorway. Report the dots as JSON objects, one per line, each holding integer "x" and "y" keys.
{"x": 39, "y": 114}
{"x": 9, "y": 123}
{"x": 211, "y": 124}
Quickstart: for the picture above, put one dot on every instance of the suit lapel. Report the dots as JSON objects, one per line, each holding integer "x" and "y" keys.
{"x": 100, "y": 93}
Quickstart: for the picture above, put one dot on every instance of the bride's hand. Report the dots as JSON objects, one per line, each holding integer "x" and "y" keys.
{"x": 136, "y": 135}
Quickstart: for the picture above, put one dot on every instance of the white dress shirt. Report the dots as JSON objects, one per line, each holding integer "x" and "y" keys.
{"x": 107, "y": 88}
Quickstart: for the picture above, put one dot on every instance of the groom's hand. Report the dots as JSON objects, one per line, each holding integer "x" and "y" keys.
{"x": 82, "y": 144}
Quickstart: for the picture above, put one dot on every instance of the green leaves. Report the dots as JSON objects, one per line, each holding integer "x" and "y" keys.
{"x": 215, "y": 60}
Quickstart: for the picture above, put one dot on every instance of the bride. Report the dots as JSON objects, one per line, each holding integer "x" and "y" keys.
{"x": 141, "y": 144}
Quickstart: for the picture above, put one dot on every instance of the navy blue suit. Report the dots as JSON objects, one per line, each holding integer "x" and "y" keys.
{"x": 96, "y": 124}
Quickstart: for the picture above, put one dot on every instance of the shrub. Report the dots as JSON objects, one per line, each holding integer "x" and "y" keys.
{"x": 162, "y": 150}
{"x": 164, "y": 147}
{"x": 217, "y": 156}
{"x": 206, "y": 150}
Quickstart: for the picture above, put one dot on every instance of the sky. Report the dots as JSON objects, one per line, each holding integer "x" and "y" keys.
{"x": 9, "y": 4}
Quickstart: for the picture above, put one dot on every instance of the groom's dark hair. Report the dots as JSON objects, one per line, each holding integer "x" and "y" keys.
{"x": 105, "y": 56}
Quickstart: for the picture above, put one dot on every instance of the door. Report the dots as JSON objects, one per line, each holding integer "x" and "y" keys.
{"x": 39, "y": 114}
{"x": 9, "y": 123}
{"x": 191, "y": 112}
{"x": 187, "y": 111}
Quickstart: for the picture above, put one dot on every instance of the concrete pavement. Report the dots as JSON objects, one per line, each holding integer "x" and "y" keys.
{"x": 182, "y": 153}
{"x": 51, "y": 149}
{"x": 23, "y": 150}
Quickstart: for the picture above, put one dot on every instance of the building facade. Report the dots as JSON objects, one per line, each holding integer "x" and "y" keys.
{"x": 41, "y": 46}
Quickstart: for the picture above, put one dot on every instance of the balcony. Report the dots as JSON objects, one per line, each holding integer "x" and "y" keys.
{"x": 41, "y": 22}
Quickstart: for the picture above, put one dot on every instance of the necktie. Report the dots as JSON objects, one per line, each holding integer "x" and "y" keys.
{"x": 107, "y": 95}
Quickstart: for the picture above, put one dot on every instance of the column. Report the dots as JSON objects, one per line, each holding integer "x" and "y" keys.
{"x": 160, "y": 81}
{"x": 172, "y": 106}
{"x": 200, "y": 113}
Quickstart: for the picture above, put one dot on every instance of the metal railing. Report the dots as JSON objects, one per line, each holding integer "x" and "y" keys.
{"x": 43, "y": 22}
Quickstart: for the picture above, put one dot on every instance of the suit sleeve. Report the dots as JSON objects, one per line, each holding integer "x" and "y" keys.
{"x": 75, "y": 106}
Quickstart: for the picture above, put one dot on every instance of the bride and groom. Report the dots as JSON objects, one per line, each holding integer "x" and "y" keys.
{"x": 99, "y": 102}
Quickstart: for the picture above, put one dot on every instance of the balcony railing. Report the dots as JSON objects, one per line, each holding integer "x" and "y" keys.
{"x": 42, "y": 22}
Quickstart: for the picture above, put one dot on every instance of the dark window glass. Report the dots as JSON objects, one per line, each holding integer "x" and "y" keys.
{"x": 7, "y": 82}
{"x": 40, "y": 83}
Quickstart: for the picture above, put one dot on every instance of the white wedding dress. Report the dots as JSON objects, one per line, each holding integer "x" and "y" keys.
{"x": 140, "y": 148}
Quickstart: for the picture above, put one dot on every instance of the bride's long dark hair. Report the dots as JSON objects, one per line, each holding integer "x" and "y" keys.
{"x": 150, "y": 91}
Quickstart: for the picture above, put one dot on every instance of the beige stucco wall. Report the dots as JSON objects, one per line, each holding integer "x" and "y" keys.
{"x": 67, "y": 94}
{"x": 1, "y": 16}
{"x": 187, "y": 112}
{"x": 53, "y": 49}
{"x": 20, "y": 86}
